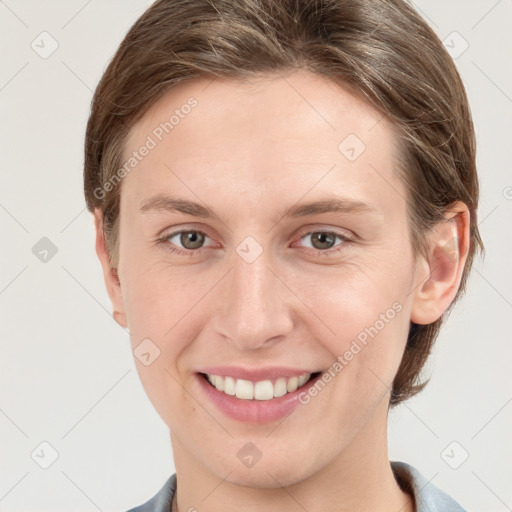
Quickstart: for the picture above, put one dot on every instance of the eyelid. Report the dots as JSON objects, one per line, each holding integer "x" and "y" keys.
{"x": 166, "y": 235}
{"x": 345, "y": 234}
{"x": 179, "y": 228}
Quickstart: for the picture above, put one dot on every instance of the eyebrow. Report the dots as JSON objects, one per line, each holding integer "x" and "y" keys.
{"x": 161, "y": 202}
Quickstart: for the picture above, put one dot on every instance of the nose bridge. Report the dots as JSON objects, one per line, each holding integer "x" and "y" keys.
{"x": 255, "y": 309}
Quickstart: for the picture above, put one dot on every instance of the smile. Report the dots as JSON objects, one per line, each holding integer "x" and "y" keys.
{"x": 259, "y": 390}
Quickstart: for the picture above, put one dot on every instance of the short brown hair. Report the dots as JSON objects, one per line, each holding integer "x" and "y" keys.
{"x": 380, "y": 50}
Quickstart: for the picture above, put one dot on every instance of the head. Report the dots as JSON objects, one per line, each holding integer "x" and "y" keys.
{"x": 251, "y": 108}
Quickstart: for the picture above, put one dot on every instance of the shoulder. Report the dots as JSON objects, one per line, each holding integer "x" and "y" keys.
{"x": 161, "y": 501}
{"x": 429, "y": 498}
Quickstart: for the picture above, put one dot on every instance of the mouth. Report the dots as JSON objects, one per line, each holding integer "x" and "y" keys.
{"x": 260, "y": 390}
{"x": 255, "y": 395}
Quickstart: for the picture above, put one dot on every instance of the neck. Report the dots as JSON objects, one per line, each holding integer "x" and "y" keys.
{"x": 359, "y": 478}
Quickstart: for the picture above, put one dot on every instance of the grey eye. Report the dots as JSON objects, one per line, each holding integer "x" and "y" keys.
{"x": 190, "y": 239}
{"x": 322, "y": 240}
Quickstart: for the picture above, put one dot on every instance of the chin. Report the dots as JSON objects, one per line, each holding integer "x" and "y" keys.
{"x": 270, "y": 473}
{"x": 271, "y": 476}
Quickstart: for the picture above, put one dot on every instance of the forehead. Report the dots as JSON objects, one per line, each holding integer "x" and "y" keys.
{"x": 264, "y": 138}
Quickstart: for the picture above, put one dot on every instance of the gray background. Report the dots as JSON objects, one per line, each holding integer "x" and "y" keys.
{"x": 67, "y": 374}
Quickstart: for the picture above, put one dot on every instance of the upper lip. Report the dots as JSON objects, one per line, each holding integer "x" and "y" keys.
{"x": 255, "y": 374}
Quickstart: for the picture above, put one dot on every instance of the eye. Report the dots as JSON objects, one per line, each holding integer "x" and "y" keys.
{"x": 185, "y": 241}
{"x": 324, "y": 241}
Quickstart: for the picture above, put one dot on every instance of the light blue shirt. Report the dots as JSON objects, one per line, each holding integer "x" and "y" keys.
{"x": 428, "y": 497}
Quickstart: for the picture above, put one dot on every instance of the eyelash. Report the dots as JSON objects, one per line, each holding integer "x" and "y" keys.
{"x": 190, "y": 252}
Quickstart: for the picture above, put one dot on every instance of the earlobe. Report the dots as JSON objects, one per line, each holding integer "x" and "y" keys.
{"x": 110, "y": 274}
{"x": 439, "y": 275}
{"x": 120, "y": 318}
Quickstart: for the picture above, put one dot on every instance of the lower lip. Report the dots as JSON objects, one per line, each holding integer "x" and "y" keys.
{"x": 254, "y": 411}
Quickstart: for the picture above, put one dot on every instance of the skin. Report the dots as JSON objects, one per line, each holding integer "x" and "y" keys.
{"x": 248, "y": 150}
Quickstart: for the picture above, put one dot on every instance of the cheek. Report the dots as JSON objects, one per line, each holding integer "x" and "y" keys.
{"x": 164, "y": 305}
{"x": 350, "y": 301}
{"x": 164, "y": 389}
{"x": 158, "y": 297}
{"x": 363, "y": 317}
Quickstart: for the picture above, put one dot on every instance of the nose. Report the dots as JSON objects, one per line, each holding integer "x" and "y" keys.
{"x": 257, "y": 309}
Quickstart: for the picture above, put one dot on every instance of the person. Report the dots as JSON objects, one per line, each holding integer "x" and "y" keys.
{"x": 284, "y": 195}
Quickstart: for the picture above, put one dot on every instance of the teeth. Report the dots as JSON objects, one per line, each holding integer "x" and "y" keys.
{"x": 303, "y": 379}
{"x": 264, "y": 390}
{"x": 229, "y": 384}
{"x": 292, "y": 384}
{"x": 261, "y": 390}
{"x": 244, "y": 389}
{"x": 280, "y": 387}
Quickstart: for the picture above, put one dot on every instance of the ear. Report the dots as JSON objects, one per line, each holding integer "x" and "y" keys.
{"x": 109, "y": 272}
{"x": 439, "y": 275}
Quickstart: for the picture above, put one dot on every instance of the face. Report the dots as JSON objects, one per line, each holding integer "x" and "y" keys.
{"x": 296, "y": 259}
